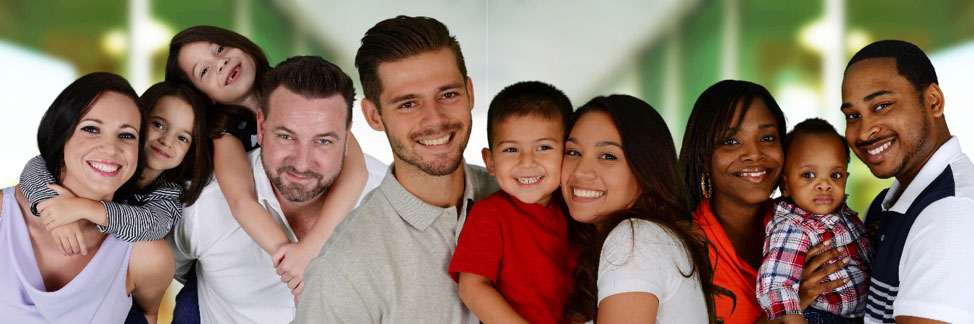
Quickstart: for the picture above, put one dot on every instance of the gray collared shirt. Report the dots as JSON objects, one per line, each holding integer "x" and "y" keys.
{"x": 387, "y": 261}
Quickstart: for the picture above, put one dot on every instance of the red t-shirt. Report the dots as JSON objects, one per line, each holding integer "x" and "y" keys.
{"x": 523, "y": 249}
{"x": 730, "y": 270}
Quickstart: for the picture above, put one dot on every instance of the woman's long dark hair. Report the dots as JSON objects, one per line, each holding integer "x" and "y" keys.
{"x": 650, "y": 154}
{"x": 59, "y": 121}
{"x": 223, "y": 117}
{"x": 197, "y": 165}
{"x": 710, "y": 120}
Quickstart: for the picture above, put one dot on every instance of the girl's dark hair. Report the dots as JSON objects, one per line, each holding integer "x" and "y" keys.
{"x": 711, "y": 120}
{"x": 215, "y": 35}
{"x": 223, "y": 116}
{"x": 197, "y": 165}
{"x": 62, "y": 117}
{"x": 650, "y": 154}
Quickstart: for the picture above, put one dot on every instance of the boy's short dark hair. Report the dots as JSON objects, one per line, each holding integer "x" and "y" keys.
{"x": 528, "y": 98}
{"x": 311, "y": 77}
{"x": 911, "y": 62}
{"x": 815, "y": 126}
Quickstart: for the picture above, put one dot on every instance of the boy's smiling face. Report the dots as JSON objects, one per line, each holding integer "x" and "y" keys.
{"x": 526, "y": 157}
{"x": 815, "y": 172}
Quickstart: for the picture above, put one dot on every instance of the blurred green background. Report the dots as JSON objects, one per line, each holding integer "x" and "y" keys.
{"x": 665, "y": 52}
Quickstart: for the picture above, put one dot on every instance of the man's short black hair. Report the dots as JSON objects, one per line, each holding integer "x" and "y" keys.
{"x": 311, "y": 77}
{"x": 815, "y": 126}
{"x": 528, "y": 98}
{"x": 911, "y": 62}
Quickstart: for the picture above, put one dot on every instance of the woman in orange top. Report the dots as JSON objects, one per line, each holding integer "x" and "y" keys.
{"x": 732, "y": 159}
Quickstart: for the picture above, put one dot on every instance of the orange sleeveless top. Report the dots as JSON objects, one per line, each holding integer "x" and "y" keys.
{"x": 731, "y": 272}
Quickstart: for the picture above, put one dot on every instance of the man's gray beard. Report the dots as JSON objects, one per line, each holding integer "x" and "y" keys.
{"x": 294, "y": 193}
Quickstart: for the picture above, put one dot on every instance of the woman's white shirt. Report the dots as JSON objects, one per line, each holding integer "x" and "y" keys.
{"x": 640, "y": 256}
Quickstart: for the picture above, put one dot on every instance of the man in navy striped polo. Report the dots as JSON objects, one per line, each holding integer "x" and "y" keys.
{"x": 924, "y": 222}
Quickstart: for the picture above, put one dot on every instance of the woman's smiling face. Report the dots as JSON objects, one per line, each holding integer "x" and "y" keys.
{"x": 747, "y": 161}
{"x": 596, "y": 179}
{"x": 103, "y": 151}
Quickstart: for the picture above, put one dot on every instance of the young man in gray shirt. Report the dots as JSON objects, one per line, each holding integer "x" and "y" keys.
{"x": 387, "y": 262}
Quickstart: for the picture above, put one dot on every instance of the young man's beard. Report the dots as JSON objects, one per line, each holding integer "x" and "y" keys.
{"x": 431, "y": 168}
{"x": 920, "y": 140}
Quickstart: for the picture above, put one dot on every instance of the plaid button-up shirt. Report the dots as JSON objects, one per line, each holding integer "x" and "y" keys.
{"x": 788, "y": 237}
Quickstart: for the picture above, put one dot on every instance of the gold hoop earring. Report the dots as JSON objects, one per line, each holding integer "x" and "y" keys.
{"x": 705, "y": 187}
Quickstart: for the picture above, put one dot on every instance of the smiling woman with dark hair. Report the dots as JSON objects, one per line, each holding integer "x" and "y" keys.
{"x": 89, "y": 139}
{"x": 176, "y": 154}
{"x": 732, "y": 160}
{"x": 641, "y": 261}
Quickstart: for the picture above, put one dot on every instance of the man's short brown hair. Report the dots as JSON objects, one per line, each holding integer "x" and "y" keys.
{"x": 398, "y": 38}
{"x": 311, "y": 77}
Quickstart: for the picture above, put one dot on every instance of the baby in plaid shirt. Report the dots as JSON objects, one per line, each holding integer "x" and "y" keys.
{"x": 812, "y": 211}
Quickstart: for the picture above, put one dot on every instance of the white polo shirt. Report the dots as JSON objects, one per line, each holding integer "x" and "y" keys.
{"x": 237, "y": 281}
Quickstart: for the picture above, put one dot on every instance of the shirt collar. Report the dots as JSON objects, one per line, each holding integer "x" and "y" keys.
{"x": 947, "y": 153}
{"x": 554, "y": 204}
{"x": 787, "y": 207}
{"x": 262, "y": 184}
{"x": 417, "y": 212}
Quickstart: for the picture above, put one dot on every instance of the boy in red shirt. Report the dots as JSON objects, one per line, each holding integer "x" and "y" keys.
{"x": 513, "y": 261}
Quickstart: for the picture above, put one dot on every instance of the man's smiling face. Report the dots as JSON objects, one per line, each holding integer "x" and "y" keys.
{"x": 886, "y": 123}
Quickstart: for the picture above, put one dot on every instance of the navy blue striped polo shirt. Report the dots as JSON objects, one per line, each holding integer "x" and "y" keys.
{"x": 924, "y": 243}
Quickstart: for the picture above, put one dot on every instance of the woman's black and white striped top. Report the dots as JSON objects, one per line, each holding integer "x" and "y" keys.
{"x": 145, "y": 216}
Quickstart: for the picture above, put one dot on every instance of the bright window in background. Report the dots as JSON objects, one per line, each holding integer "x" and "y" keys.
{"x": 29, "y": 85}
{"x": 954, "y": 72}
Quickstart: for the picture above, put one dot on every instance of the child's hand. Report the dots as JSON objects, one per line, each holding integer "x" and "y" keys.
{"x": 290, "y": 260}
{"x": 70, "y": 239}
{"x": 297, "y": 292}
{"x": 61, "y": 209}
{"x": 813, "y": 272}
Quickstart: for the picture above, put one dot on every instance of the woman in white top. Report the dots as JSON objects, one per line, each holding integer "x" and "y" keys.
{"x": 641, "y": 261}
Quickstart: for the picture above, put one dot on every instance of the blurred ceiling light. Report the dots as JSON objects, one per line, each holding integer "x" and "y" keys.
{"x": 856, "y": 40}
{"x": 156, "y": 37}
{"x": 162, "y": 34}
{"x": 799, "y": 102}
{"x": 114, "y": 43}
{"x": 817, "y": 36}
